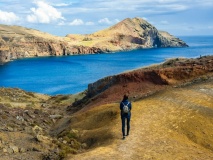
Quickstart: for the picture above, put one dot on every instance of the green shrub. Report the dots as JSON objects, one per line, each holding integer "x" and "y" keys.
{"x": 87, "y": 39}
{"x": 65, "y": 150}
{"x": 72, "y": 135}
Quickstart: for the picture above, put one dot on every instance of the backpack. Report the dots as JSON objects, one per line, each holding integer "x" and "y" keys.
{"x": 125, "y": 108}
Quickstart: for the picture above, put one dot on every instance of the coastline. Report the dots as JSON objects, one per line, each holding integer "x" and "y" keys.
{"x": 145, "y": 81}
{"x": 36, "y": 125}
{"x": 155, "y": 65}
{"x": 116, "y": 38}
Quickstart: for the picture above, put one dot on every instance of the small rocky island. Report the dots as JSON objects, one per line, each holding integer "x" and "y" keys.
{"x": 19, "y": 42}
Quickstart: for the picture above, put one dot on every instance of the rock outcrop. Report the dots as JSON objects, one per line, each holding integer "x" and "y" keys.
{"x": 19, "y": 42}
{"x": 145, "y": 81}
{"x": 171, "y": 72}
{"x": 174, "y": 122}
{"x": 128, "y": 34}
{"x": 25, "y": 121}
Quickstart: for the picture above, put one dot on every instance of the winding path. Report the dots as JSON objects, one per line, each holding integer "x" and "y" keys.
{"x": 174, "y": 124}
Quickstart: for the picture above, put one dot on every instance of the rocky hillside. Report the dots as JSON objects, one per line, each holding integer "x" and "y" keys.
{"x": 26, "y": 119}
{"x": 145, "y": 81}
{"x": 19, "y": 42}
{"x": 127, "y": 35}
{"x": 171, "y": 117}
{"x": 175, "y": 123}
{"x": 172, "y": 113}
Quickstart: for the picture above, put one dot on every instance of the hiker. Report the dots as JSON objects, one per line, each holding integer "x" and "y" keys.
{"x": 125, "y": 107}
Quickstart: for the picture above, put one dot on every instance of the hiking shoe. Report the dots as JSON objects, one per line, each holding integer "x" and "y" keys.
{"x": 123, "y": 137}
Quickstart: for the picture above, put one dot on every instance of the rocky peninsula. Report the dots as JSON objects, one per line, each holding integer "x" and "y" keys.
{"x": 19, "y": 42}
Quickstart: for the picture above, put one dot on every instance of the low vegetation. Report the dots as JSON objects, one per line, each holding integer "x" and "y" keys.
{"x": 171, "y": 120}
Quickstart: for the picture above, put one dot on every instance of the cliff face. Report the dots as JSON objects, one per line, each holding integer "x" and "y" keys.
{"x": 170, "y": 73}
{"x": 175, "y": 122}
{"x": 128, "y": 34}
{"x": 19, "y": 42}
{"x": 145, "y": 81}
{"x": 138, "y": 33}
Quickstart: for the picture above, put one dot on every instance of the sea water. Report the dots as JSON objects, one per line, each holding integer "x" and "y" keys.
{"x": 72, "y": 74}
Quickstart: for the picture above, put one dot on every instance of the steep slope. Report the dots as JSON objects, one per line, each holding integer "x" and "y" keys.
{"x": 172, "y": 117}
{"x": 173, "y": 124}
{"x": 126, "y": 35}
{"x": 19, "y": 42}
{"x": 145, "y": 81}
{"x": 25, "y": 121}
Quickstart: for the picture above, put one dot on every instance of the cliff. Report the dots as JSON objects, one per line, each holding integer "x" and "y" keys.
{"x": 171, "y": 117}
{"x": 175, "y": 123}
{"x": 128, "y": 34}
{"x": 145, "y": 81}
{"x": 19, "y": 42}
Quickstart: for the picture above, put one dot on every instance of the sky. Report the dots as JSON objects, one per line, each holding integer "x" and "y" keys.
{"x": 62, "y": 17}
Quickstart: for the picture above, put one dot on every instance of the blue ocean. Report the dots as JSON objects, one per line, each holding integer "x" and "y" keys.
{"x": 72, "y": 74}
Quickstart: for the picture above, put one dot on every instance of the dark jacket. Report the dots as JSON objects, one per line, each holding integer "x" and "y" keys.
{"x": 125, "y": 102}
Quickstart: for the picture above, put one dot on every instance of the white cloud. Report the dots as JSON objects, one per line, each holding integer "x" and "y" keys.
{"x": 90, "y": 23}
{"x": 177, "y": 7}
{"x": 145, "y": 18}
{"x": 190, "y": 28}
{"x": 8, "y": 17}
{"x": 45, "y": 13}
{"x": 144, "y": 6}
{"x": 116, "y": 20}
{"x": 105, "y": 21}
{"x": 91, "y": 14}
{"x": 206, "y": 3}
{"x": 62, "y": 23}
{"x": 61, "y": 4}
{"x": 76, "y": 22}
{"x": 164, "y": 22}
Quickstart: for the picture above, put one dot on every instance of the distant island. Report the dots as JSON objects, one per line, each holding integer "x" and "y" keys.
{"x": 19, "y": 42}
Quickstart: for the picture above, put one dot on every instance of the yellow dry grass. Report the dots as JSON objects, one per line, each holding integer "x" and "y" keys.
{"x": 173, "y": 124}
{"x": 17, "y": 98}
{"x": 16, "y": 31}
{"x": 14, "y": 97}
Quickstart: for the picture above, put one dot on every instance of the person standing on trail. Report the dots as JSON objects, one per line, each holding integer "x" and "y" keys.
{"x": 125, "y": 107}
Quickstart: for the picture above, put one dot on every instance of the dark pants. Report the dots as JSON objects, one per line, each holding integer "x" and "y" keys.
{"x": 124, "y": 119}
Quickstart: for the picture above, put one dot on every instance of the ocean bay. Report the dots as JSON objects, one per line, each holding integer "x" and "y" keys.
{"x": 72, "y": 74}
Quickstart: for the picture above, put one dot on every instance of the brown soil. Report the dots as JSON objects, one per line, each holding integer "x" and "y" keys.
{"x": 143, "y": 82}
{"x": 173, "y": 124}
{"x": 25, "y": 121}
{"x": 172, "y": 117}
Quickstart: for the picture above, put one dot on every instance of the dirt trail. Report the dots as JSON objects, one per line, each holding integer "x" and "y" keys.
{"x": 174, "y": 124}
